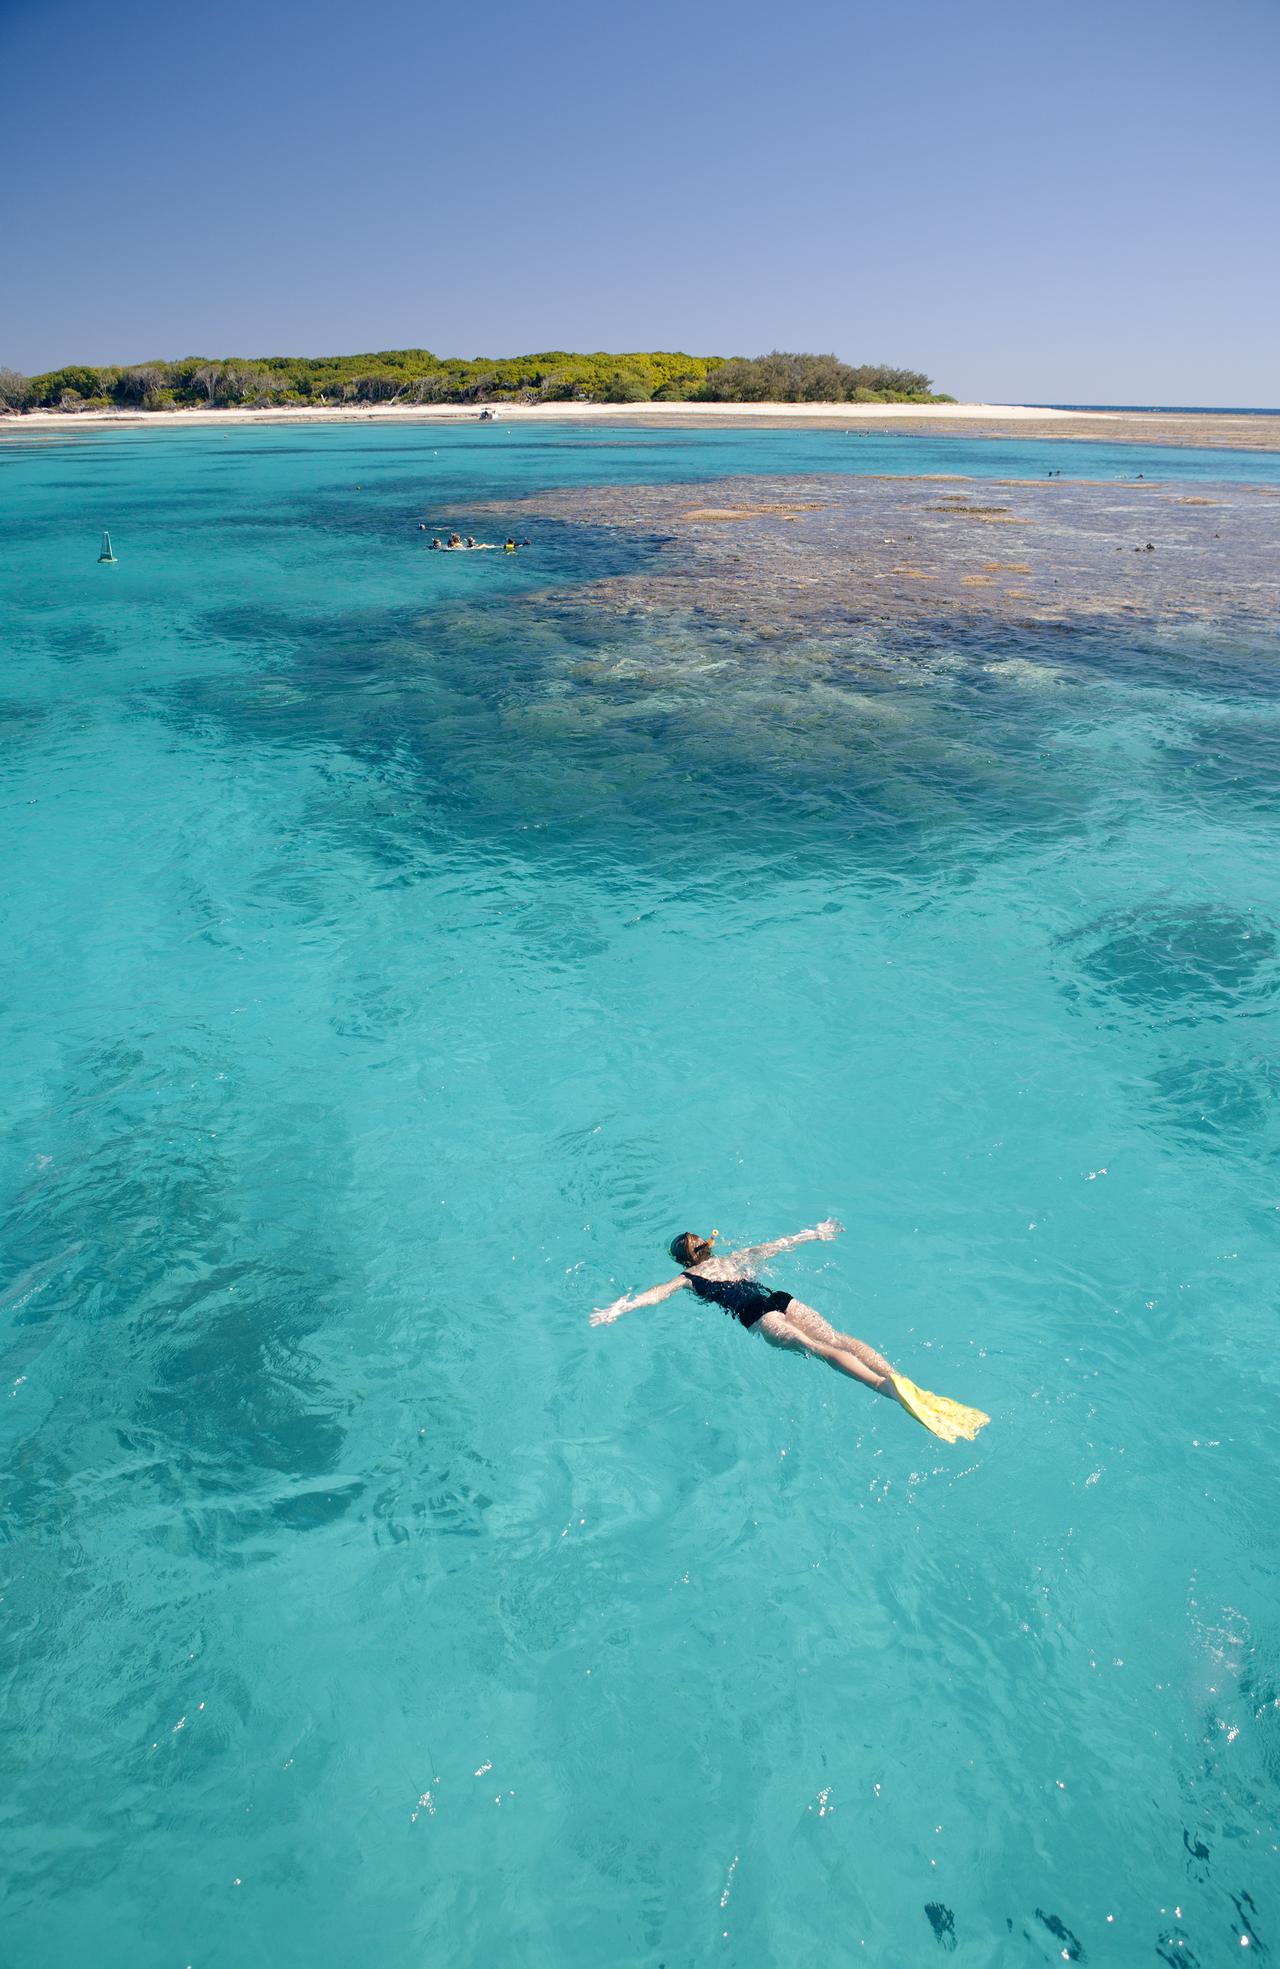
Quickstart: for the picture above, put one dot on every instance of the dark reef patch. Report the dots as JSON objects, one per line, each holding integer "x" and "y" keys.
{"x": 1177, "y": 958}
{"x": 943, "y": 1923}
{"x": 1073, "y": 1950}
{"x": 1217, "y": 1101}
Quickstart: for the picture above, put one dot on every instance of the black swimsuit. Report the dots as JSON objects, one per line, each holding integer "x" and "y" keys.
{"x": 744, "y": 1299}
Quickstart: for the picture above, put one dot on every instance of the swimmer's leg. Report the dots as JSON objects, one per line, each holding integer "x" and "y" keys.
{"x": 812, "y": 1324}
{"x": 804, "y": 1336}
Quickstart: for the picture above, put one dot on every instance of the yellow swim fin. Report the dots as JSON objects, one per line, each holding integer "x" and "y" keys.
{"x": 939, "y": 1413}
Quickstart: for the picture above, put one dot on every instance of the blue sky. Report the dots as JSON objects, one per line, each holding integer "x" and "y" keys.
{"x": 1068, "y": 202}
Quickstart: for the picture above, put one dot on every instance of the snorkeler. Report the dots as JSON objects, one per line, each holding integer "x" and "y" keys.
{"x": 787, "y": 1322}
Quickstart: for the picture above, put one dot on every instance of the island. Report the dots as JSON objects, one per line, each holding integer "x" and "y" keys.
{"x": 417, "y": 377}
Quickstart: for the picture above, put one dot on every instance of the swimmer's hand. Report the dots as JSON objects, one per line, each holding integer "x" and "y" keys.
{"x": 829, "y": 1227}
{"x": 629, "y": 1301}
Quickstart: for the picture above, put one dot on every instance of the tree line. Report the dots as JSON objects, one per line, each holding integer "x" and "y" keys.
{"x": 416, "y": 376}
{"x": 782, "y": 378}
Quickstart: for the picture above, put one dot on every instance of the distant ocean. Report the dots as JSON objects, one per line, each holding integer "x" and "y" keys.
{"x": 1170, "y": 409}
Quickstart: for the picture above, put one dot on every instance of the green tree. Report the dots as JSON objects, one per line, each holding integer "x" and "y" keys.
{"x": 75, "y": 381}
{"x": 15, "y": 390}
{"x": 142, "y": 385}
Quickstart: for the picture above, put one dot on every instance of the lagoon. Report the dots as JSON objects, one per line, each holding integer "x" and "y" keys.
{"x": 400, "y": 948}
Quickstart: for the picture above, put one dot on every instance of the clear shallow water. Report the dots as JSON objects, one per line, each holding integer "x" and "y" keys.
{"x": 394, "y": 962}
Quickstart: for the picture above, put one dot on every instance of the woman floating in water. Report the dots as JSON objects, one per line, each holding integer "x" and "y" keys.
{"x": 786, "y": 1322}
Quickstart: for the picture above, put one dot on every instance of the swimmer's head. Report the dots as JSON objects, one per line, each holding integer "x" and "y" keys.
{"x": 690, "y": 1249}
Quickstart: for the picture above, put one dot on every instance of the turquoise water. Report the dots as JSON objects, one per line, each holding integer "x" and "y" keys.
{"x": 395, "y": 959}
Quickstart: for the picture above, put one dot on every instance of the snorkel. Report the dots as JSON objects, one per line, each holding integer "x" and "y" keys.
{"x": 682, "y": 1248}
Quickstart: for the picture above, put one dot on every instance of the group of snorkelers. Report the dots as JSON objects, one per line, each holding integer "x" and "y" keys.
{"x": 455, "y": 544}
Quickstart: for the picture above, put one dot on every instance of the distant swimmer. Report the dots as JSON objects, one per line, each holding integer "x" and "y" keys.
{"x": 471, "y": 540}
{"x": 783, "y": 1321}
{"x": 437, "y": 545}
{"x": 454, "y": 540}
{"x": 508, "y": 545}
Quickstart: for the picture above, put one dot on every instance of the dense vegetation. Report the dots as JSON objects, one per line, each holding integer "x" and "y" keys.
{"x": 410, "y": 376}
{"x": 780, "y": 378}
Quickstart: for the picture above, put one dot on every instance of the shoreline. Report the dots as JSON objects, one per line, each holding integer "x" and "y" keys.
{"x": 524, "y": 413}
{"x": 1195, "y": 429}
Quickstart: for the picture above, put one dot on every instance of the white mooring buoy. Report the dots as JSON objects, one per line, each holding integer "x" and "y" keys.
{"x": 106, "y": 554}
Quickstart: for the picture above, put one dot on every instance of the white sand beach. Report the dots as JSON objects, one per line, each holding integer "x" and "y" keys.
{"x": 1222, "y": 430}
{"x": 513, "y": 413}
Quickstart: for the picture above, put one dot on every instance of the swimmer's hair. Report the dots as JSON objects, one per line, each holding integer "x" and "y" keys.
{"x": 690, "y": 1249}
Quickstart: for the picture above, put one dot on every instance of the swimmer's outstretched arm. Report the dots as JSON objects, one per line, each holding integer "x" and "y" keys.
{"x": 756, "y": 1254}
{"x": 654, "y": 1297}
